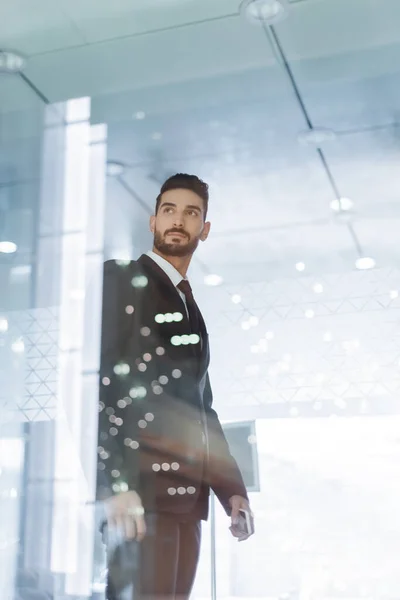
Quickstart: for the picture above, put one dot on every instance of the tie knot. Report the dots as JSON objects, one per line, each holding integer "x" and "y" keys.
{"x": 185, "y": 287}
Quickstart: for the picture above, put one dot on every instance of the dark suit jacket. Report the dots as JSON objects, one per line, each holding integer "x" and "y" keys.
{"x": 158, "y": 432}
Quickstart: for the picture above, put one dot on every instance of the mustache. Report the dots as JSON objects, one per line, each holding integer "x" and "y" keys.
{"x": 181, "y": 232}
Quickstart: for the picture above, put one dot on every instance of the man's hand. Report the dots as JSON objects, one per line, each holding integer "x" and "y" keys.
{"x": 125, "y": 512}
{"x": 237, "y": 504}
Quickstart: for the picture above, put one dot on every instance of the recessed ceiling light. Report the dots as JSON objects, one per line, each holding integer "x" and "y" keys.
{"x": 318, "y": 288}
{"x": 18, "y": 346}
{"x": 3, "y": 325}
{"x": 263, "y": 345}
{"x": 365, "y": 263}
{"x": 213, "y": 279}
{"x": 115, "y": 168}
{"x": 316, "y": 136}
{"x": 264, "y": 11}
{"x": 300, "y": 266}
{"x": 394, "y": 294}
{"x": 140, "y": 115}
{"x": 342, "y": 204}
{"x": 11, "y": 62}
{"x": 8, "y": 247}
{"x": 309, "y": 314}
{"x": 236, "y": 299}
{"x": 21, "y": 271}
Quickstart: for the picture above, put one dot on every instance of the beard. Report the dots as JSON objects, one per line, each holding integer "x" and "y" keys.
{"x": 170, "y": 249}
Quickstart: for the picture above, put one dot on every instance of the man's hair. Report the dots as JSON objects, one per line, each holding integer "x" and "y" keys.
{"x": 183, "y": 181}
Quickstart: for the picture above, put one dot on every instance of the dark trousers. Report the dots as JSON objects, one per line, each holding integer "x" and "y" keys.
{"x": 162, "y": 566}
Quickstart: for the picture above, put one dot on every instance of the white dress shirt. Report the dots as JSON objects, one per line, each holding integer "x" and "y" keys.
{"x": 172, "y": 273}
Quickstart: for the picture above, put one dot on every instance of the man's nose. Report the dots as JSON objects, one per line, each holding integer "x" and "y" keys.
{"x": 178, "y": 220}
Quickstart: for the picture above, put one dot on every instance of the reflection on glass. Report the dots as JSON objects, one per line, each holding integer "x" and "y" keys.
{"x": 289, "y": 110}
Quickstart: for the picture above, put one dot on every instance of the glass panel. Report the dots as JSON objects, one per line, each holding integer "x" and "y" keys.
{"x": 21, "y": 115}
{"x": 293, "y": 121}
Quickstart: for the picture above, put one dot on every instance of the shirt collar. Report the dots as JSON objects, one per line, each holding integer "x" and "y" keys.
{"x": 166, "y": 266}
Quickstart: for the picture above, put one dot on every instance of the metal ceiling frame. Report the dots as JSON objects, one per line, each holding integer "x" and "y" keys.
{"x": 278, "y": 50}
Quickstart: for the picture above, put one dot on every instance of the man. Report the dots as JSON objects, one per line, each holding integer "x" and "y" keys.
{"x": 161, "y": 445}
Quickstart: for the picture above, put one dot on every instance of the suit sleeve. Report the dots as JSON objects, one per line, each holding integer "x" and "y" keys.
{"x": 225, "y": 477}
{"x": 117, "y": 447}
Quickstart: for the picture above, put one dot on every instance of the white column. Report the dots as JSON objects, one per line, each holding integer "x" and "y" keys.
{"x": 79, "y": 580}
{"x": 46, "y": 276}
{"x": 70, "y": 257}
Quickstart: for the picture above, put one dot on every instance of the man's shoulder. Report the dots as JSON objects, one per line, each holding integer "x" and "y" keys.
{"x": 132, "y": 271}
{"x": 123, "y": 266}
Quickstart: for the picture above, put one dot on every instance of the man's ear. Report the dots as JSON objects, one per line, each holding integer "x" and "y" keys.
{"x": 206, "y": 231}
{"x": 152, "y": 224}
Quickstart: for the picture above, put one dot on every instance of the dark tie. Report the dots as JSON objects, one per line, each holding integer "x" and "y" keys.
{"x": 193, "y": 311}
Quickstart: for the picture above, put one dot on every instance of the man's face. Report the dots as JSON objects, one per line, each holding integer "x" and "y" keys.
{"x": 179, "y": 224}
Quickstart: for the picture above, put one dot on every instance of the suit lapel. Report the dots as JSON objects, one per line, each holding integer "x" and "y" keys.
{"x": 150, "y": 265}
{"x": 162, "y": 278}
{"x": 156, "y": 271}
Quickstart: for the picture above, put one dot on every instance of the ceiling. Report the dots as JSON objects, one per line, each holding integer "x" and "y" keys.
{"x": 190, "y": 85}
{"x": 102, "y": 48}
